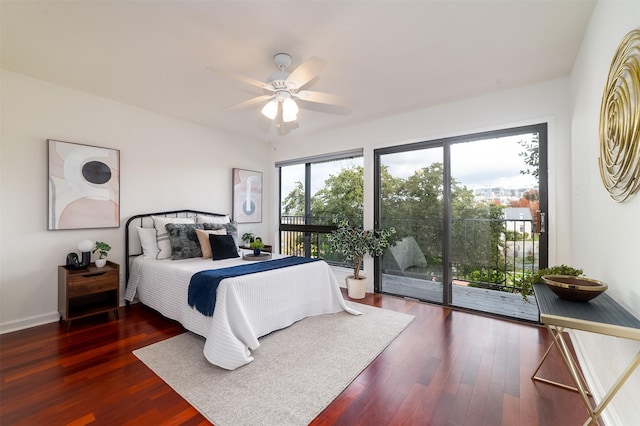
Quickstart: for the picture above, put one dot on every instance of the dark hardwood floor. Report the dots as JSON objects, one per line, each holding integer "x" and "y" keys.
{"x": 447, "y": 368}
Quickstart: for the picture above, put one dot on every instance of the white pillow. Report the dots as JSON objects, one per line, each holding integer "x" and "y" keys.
{"x": 205, "y": 244}
{"x": 162, "y": 235}
{"x": 148, "y": 241}
{"x": 221, "y": 220}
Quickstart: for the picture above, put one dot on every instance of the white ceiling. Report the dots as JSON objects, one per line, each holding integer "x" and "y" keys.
{"x": 388, "y": 56}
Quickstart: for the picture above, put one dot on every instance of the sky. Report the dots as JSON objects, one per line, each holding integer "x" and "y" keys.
{"x": 491, "y": 162}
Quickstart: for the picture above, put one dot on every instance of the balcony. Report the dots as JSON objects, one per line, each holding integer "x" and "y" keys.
{"x": 489, "y": 256}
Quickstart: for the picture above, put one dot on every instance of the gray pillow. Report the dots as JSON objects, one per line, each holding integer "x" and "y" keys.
{"x": 184, "y": 240}
{"x": 231, "y": 227}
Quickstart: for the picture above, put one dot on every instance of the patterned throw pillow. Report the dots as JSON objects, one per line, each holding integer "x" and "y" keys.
{"x": 184, "y": 240}
{"x": 162, "y": 236}
{"x": 231, "y": 227}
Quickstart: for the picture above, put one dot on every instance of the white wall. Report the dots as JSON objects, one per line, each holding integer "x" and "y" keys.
{"x": 606, "y": 234}
{"x": 547, "y": 102}
{"x": 165, "y": 163}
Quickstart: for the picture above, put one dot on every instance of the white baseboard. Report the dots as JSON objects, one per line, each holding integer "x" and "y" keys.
{"x": 29, "y": 322}
{"x": 34, "y": 321}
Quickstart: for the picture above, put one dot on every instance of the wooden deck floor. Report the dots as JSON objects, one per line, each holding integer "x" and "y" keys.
{"x": 473, "y": 298}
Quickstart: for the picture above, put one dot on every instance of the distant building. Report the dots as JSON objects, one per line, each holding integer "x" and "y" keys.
{"x": 518, "y": 219}
{"x": 500, "y": 195}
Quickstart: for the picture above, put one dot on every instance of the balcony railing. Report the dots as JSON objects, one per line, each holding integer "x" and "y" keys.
{"x": 488, "y": 253}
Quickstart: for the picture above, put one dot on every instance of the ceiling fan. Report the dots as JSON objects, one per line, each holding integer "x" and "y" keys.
{"x": 283, "y": 88}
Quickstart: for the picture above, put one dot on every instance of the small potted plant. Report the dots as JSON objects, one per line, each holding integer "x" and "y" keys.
{"x": 103, "y": 251}
{"x": 354, "y": 243}
{"x": 256, "y": 245}
{"x": 247, "y": 237}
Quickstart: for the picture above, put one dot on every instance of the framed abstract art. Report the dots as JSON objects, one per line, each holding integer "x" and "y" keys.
{"x": 247, "y": 196}
{"x": 84, "y": 186}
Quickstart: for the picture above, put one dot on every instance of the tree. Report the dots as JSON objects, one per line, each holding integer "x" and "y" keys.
{"x": 293, "y": 204}
{"x": 342, "y": 195}
{"x": 531, "y": 156}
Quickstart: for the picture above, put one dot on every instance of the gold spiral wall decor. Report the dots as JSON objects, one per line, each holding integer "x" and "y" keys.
{"x": 619, "y": 159}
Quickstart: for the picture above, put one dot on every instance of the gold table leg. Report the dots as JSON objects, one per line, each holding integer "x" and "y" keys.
{"x": 578, "y": 378}
{"x": 553, "y": 333}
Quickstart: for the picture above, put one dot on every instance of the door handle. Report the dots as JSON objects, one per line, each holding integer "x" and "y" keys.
{"x": 540, "y": 222}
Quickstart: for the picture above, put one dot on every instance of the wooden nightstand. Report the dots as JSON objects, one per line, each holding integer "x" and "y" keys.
{"x": 90, "y": 291}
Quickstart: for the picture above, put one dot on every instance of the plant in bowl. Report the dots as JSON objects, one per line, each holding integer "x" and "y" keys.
{"x": 102, "y": 249}
{"x": 256, "y": 245}
{"x": 354, "y": 243}
{"x": 527, "y": 282}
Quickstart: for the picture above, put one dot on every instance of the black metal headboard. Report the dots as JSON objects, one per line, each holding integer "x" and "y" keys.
{"x": 132, "y": 246}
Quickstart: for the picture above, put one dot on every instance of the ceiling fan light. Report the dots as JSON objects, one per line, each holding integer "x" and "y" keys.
{"x": 289, "y": 110}
{"x": 288, "y": 118}
{"x": 270, "y": 110}
{"x": 289, "y": 107}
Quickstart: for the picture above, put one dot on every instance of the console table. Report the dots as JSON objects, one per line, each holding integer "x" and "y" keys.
{"x": 600, "y": 315}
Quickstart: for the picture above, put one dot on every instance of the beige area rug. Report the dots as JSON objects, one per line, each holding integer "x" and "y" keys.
{"x": 295, "y": 374}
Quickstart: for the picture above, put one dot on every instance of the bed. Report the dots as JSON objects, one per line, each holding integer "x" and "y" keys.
{"x": 247, "y": 307}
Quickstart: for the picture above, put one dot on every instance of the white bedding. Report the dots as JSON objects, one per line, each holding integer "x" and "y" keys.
{"x": 247, "y": 307}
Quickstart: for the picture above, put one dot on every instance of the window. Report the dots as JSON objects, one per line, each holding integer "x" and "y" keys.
{"x": 313, "y": 192}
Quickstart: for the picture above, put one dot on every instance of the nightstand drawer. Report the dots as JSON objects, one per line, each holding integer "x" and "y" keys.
{"x": 80, "y": 285}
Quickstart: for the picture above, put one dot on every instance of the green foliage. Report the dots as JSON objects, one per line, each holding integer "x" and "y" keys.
{"x": 102, "y": 249}
{"x": 293, "y": 204}
{"x": 531, "y": 156}
{"x": 342, "y": 195}
{"x": 527, "y": 281}
{"x": 257, "y": 244}
{"x": 487, "y": 275}
{"x": 354, "y": 243}
{"x": 247, "y": 236}
{"x": 513, "y": 235}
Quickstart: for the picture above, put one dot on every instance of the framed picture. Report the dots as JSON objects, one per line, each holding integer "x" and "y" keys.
{"x": 247, "y": 196}
{"x": 84, "y": 186}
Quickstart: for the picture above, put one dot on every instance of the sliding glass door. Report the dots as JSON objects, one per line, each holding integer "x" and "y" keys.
{"x": 469, "y": 212}
{"x": 411, "y": 200}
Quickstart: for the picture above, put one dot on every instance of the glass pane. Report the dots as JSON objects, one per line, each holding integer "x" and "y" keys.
{"x": 293, "y": 193}
{"x": 337, "y": 189}
{"x": 495, "y": 196}
{"x": 412, "y": 202}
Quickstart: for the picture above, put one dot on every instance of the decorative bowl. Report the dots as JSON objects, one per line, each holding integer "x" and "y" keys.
{"x": 577, "y": 289}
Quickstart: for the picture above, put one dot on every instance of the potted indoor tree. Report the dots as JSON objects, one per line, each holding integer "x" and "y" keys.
{"x": 354, "y": 243}
{"x": 103, "y": 251}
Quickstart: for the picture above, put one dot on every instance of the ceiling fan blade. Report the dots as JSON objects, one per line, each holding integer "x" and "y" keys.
{"x": 248, "y": 102}
{"x": 306, "y": 72}
{"x": 324, "y": 98}
{"x": 242, "y": 78}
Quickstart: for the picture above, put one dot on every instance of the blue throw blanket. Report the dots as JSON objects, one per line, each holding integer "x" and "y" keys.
{"x": 204, "y": 284}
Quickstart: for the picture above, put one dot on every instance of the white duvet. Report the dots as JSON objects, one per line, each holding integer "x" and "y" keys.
{"x": 247, "y": 307}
